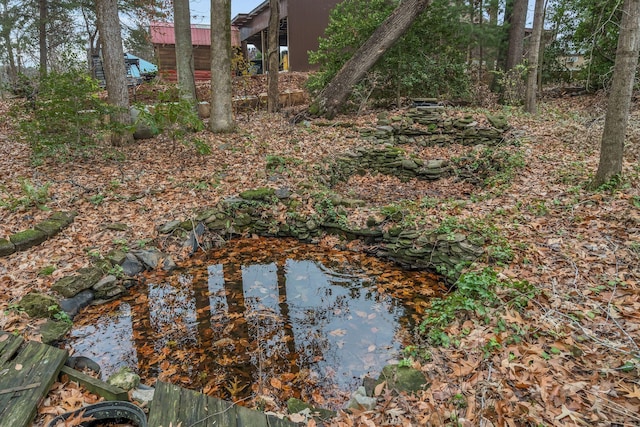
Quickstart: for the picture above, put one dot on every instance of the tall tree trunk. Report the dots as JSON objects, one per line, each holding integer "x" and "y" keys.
{"x": 516, "y": 33}
{"x": 335, "y": 94}
{"x": 43, "y": 11}
{"x": 5, "y": 30}
{"x": 184, "y": 50}
{"x": 534, "y": 54}
{"x": 624, "y": 71}
{"x": 114, "y": 69}
{"x": 273, "y": 55}
{"x": 221, "y": 107}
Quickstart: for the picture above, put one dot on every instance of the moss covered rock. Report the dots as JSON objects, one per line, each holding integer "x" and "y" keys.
{"x": 6, "y": 247}
{"x": 72, "y": 285}
{"x": 54, "y": 331}
{"x": 262, "y": 193}
{"x": 39, "y": 305}
{"x": 403, "y": 378}
{"x": 50, "y": 227}
{"x": 27, "y": 238}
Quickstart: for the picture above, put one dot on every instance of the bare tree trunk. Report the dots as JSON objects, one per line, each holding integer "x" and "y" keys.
{"x": 273, "y": 56}
{"x": 5, "y": 30}
{"x": 184, "y": 50}
{"x": 534, "y": 54}
{"x": 335, "y": 94}
{"x": 114, "y": 69}
{"x": 43, "y": 11}
{"x": 615, "y": 124}
{"x": 516, "y": 33}
{"x": 221, "y": 107}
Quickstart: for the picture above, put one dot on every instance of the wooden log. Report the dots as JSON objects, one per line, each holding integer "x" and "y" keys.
{"x": 94, "y": 385}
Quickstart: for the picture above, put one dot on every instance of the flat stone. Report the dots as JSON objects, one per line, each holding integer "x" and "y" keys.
{"x": 116, "y": 257}
{"x": 169, "y": 264}
{"x": 72, "y": 285}
{"x": 27, "y": 238}
{"x": 168, "y": 227}
{"x": 131, "y": 265}
{"x": 106, "y": 282}
{"x": 6, "y": 247}
{"x": 53, "y": 331}
{"x": 73, "y": 305}
{"x": 149, "y": 258}
{"x": 65, "y": 217}
{"x": 50, "y": 227}
{"x": 109, "y": 293}
{"x": 409, "y": 164}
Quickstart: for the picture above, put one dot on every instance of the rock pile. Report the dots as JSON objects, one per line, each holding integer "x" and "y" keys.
{"x": 428, "y": 126}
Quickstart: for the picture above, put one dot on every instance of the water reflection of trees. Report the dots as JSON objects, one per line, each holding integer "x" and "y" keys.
{"x": 230, "y": 329}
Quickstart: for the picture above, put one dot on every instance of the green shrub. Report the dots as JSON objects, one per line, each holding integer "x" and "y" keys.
{"x": 33, "y": 195}
{"x": 475, "y": 293}
{"x": 68, "y": 116}
{"x": 175, "y": 118}
{"x": 428, "y": 61}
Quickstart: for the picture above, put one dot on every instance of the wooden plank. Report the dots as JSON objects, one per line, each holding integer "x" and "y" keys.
{"x": 246, "y": 417}
{"x": 33, "y": 363}
{"x": 175, "y": 405}
{"x": 9, "y": 344}
{"x": 94, "y": 385}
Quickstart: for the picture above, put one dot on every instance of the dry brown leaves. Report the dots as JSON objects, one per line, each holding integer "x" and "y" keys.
{"x": 569, "y": 359}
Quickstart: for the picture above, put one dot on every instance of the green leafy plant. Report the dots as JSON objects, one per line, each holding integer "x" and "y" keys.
{"x": 475, "y": 293}
{"x": 33, "y": 195}
{"x": 58, "y": 314}
{"x": 67, "y": 116}
{"x": 97, "y": 199}
{"x": 47, "y": 271}
{"x": 175, "y": 118}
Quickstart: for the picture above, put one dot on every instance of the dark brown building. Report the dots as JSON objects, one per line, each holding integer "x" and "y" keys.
{"x": 301, "y": 23}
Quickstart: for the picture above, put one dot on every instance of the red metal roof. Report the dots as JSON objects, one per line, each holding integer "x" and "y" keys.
{"x": 162, "y": 33}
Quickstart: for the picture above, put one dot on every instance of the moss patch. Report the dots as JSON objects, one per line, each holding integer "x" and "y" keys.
{"x": 6, "y": 247}
{"x": 27, "y": 238}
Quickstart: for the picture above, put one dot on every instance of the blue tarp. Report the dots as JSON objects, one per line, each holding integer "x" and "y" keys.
{"x": 144, "y": 66}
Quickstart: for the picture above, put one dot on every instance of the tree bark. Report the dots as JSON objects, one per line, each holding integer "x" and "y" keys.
{"x": 221, "y": 107}
{"x": 114, "y": 69}
{"x": 534, "y": 54}
{"x": 273, "y": 55}
{"x": 5, "y": 31}
{"x": 43, "y": 11}
{"x": 335, "y": 94}
{"x": 516, "y": 33}
{"x": 617, "y": 116}
{"x": 184, "y": 50}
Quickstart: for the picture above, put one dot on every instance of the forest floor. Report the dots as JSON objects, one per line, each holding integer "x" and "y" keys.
{"x": 570, "y": 357}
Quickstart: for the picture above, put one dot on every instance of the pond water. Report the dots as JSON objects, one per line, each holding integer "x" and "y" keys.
{"x": 265, "y": 318}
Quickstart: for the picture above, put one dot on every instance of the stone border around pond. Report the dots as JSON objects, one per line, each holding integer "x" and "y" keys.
{"x": 254, "y": 211}
{"x": 42, "y": 231}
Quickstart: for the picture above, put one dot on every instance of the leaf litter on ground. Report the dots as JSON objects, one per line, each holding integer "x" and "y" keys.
{"x": 570, "y": 357}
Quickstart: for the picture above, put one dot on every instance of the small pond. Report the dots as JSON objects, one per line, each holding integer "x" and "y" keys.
{"x": 270, "y": 318}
